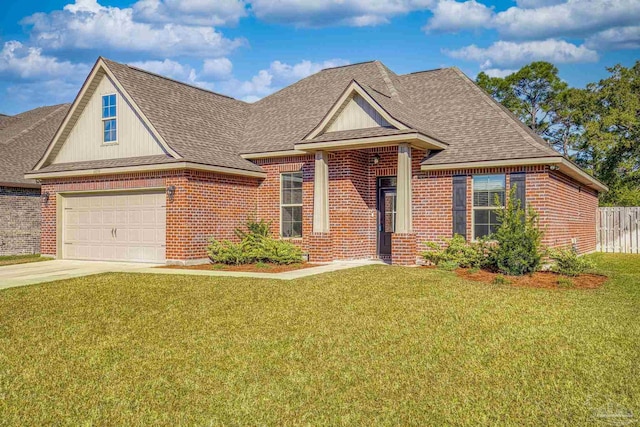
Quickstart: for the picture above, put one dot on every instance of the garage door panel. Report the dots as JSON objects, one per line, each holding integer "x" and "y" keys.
{"x": 115, "y": 227}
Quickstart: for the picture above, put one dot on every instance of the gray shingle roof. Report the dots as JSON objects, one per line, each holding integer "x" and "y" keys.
{"x": 476, "y": 127}
{"x": 208, "y": 128}
{"x": 200, "y": 125}
{"x": 23, "y": 140}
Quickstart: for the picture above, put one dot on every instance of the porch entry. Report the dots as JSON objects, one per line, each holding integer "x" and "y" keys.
{"x": 386, "y": 202}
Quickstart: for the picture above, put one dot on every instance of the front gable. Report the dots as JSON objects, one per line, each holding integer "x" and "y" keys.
{"x": 85, "y": 140}
{"x": 357, "y": 114}
{"x": 80, "y": 138}
{"x": 355, "y": 109}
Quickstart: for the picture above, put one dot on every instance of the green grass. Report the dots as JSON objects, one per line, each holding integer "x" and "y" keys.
{"x": 21, "y": 259}
{"x": 374, "y": 345}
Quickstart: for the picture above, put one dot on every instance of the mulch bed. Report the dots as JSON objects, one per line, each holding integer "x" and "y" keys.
{"x": 542, "y": 279}
{"x": 252, "y": 268}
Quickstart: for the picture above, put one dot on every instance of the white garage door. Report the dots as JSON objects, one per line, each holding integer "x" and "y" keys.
{"x": 115, "y": 227}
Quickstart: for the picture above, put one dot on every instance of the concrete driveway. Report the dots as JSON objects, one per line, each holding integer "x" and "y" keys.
{"x": 48, "y": 271}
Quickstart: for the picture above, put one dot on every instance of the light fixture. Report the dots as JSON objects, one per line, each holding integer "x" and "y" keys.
{"x": 171, "y": 191}
{"x": 44, "y": 197}
{"x": 375, "y": 159}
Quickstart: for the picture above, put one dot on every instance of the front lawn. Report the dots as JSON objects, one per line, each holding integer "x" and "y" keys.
{"x": 21, "y": 259}
{"x": 372, "y": 345}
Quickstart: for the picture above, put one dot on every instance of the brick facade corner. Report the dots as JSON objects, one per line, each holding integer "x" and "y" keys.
{"x": 403, "y": 249}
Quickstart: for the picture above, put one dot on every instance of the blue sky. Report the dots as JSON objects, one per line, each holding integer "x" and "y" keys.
{"x": 250, "y": 48}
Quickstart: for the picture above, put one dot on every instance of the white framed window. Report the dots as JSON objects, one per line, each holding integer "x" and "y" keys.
{"x": 109, "y": 119}
{"x": 489, "y": 193}
{"x": 291, "y": 204}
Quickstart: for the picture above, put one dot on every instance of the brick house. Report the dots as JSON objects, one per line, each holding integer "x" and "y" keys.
{"x": 352, "y": 162}
{"x": 23, "y": 139}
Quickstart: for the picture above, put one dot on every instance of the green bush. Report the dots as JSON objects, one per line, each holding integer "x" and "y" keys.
{"x": 256, "y": 246}
{"x": 278, "y": 251}
{"x": 457, "y": 251}
{"x": 500, "y": 280}
{"x": 517, "y": 250}
{"x": 568, "y": 263}
{"x": 448, "y": 265}
{"x": 226, "y": 252}
{"x": 565, "y": 282}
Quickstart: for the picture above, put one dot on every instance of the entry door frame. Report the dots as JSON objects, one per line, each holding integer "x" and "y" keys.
{"x": 382, "y": 188}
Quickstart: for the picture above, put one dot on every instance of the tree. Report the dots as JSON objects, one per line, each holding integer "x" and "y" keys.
{"x": 598, "y": 127}
{"x": 565, "y": 131}
{"x": 610, "y": 145}
{"x": 530, "y": 93}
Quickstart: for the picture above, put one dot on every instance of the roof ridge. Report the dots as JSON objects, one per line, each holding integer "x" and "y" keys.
{"x": 388, "y": 82}
{"x": 38, "y": 122}
{"x": 426, "y": 71}
{"x": 348, "y": 65}
{"x": 513, "y": 121}
{"x": 142, "y": 70}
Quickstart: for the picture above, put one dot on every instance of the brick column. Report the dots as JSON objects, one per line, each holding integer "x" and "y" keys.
{"x": 403, "y": 249}
{"x": 320, "y": 247}
{"x": 319, "y": 243}
{"x": 403, "y": 241}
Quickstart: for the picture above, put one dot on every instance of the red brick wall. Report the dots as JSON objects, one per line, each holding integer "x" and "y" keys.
{"x": 204, "y": 205}
{"x": 570, "y": 213}
{"x": 567, "y": 209}
{"x": 208, "y": 204}
{"x": 268, "y": 199}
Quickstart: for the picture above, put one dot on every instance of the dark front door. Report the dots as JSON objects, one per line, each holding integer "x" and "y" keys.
{"x": 386, "y": 215}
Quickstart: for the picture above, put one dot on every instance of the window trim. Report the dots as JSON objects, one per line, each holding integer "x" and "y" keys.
{"x": 487, "y": 208}
{"x": 104, "y": 119}
{"x": 283, "y": 205}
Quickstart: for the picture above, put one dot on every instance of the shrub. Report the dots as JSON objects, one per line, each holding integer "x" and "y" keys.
{"x": 517, "y": 250}
{"x": 256, "y": 246}
{"x": 565, "y": 282}
{"x": 448, "y": 265}
{"x": 500, "y": 280}
{"x": 457, "y": 251}
{"x": 226, "y": 252}
{"x": 568, "y": 263}
{"x": 278, "y": 251}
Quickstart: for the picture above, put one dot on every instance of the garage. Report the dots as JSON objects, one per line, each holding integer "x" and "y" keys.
{"x": 115, "y": 226}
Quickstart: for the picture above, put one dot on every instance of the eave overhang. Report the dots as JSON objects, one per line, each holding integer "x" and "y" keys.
{"x": 416, "y": 140}
{"x": 562, "y": 164}
{"x": 145, "y": 168}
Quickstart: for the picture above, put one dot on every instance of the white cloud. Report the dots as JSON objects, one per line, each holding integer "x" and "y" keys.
{"x": 498, "y": 72}
{"x": 28, "y": 63}
{"x": 168, "y": 68}
{"x": 509, "y": 54}
{"x": 615, "y": 38}
{"x": 321, "y": 13}
{"x": 218, "y": 68}
{"x": 88, "y": 25}
{"x": 453, "y": 16}
{"x": 279, "y": 74}
{"x": 532, "y": 4}
{"x": 190, "y": 12}
{"x": 573, "y": 18}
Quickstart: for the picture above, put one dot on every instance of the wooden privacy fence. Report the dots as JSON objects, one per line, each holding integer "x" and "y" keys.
{"x": 619, "y": 230}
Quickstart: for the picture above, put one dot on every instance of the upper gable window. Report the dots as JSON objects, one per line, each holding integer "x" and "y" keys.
{"x": 109, "y": 119}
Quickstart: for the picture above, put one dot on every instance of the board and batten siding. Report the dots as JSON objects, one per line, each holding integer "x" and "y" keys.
{"x": 618, "y": 229}
{"x": 357, "y": 114}
{"x": 85, "y": 141}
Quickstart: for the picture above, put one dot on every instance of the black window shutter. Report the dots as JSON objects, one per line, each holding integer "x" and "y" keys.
{"x": 460, "y": 205}
{"x": 518, "y": 180}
